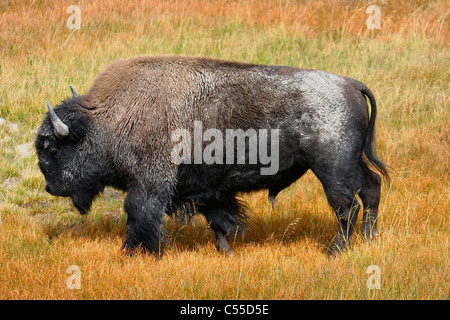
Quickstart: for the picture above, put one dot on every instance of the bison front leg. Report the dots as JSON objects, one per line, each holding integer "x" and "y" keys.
{"x": 144, "y": 222}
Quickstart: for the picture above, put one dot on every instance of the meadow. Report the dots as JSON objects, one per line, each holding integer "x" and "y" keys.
{"x": 284, "y": 252}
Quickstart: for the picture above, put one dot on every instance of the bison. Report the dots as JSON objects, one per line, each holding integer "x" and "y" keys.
{"x": 121, "y": 134}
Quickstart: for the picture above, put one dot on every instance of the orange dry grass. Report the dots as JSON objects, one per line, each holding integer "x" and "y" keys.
{"x": 36, "y": 25}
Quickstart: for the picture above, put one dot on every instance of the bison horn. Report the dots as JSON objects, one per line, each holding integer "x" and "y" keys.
{"x": 60, "y": 129}
{"x": 74, "y": 93}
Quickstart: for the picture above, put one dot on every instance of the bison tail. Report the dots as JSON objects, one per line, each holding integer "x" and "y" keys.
{"x": 369, "y": 141}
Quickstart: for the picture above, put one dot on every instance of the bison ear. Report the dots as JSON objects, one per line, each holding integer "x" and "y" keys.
{"x": 78, "y": 128}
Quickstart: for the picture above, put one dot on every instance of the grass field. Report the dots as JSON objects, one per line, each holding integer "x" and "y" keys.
{"x": 284, "y": 253}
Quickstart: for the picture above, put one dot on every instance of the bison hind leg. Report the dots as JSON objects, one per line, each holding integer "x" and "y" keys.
{"x": 341, "y": 187}
{"x": 224, "y": 215}
{"x": 370, "y": 196}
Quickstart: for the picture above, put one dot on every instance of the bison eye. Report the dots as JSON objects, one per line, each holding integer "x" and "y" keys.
{"x": 54, "y": 152}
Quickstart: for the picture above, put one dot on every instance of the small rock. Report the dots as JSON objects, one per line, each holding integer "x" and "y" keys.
{"x": 42, "y": 218}
{"x": 25, "y": 149}
{"x": 9, "y": 183}
{"x": 13, "y": 127}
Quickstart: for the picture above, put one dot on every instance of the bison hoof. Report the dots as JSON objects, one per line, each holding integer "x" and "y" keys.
{"x": 273, "y": 201}
{"x": 227, "y": 251}
{"x": 370, "y": 234}
{"x": 336, "y": 252}
{"x": 223, "y": 246}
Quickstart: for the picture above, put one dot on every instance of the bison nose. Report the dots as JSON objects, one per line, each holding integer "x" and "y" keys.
{"x": 47, "y": 188}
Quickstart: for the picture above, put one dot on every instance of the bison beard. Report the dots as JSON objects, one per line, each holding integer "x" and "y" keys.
{"x": 119, "y": 135}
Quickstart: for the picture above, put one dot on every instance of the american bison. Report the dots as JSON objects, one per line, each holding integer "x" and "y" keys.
{"x": 129, "y": 132}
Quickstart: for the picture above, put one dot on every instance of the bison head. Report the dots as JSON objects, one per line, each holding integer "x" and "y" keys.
{"x": 62, "y": 147}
